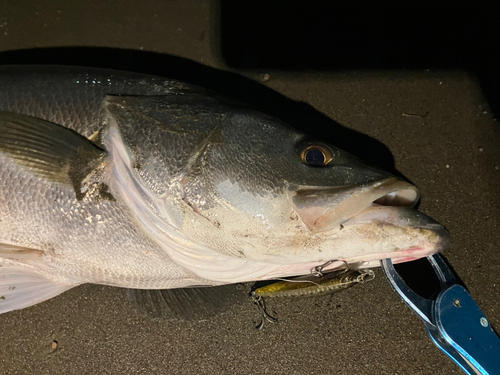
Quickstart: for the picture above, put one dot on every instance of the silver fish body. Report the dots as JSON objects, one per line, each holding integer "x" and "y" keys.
{"x": 137, "y": 181}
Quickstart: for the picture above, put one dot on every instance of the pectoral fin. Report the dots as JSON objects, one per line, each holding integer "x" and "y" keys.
{"x": 20, "y": 253}
{"x": 48, "y": 150}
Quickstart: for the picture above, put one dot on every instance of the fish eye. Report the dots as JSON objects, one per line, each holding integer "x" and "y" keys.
{"x": 317, "y": 155}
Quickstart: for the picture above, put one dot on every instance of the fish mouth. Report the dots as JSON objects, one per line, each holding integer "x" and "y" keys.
{"x": 325, "y": 208}
{"x": 384, "y": 206}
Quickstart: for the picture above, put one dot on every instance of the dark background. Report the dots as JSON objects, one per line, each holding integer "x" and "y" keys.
{"x": 412, "y": 88}
{"x": 332, "y": 35}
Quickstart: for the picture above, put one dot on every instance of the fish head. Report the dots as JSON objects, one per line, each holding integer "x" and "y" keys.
{"x": 243, "y": 196}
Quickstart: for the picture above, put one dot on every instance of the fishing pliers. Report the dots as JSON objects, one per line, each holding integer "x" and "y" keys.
{"x": 453, "y": 320}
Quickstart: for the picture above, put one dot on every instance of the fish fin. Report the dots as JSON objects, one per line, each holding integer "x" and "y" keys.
{"x": 49, "y": 150}
{"x": 21, "y": 286}
{"x": 19, "y": 253}
{"x": 188, "y": 303}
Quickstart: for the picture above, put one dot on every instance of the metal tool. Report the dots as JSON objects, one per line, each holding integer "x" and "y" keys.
{"x": 454, "y": 321}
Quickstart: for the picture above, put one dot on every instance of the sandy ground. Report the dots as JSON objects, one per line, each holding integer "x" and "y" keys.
{"x": 434, "y": 126}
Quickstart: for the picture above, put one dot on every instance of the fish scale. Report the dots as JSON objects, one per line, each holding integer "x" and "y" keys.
{"x": 72, "y": 96}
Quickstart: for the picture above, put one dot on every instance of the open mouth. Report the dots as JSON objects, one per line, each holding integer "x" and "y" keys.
{"x": 323, "y": 209}
{"x": 399, "y": 198}
{"x": 384, "y": 207}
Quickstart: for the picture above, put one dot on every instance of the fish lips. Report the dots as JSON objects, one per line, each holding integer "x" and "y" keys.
{"x": 326, "y": 208}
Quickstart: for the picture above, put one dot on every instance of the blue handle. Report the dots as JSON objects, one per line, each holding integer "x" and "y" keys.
{"x": 468, "y": 337}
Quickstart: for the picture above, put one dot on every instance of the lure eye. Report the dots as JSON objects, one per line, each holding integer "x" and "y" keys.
{"x": 317, "y": 155}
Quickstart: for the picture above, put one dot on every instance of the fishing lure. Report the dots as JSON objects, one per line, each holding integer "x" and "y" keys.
{"x": 306, "y": 286}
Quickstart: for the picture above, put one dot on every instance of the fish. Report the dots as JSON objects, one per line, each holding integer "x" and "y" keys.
{"x": 138, "y": 181}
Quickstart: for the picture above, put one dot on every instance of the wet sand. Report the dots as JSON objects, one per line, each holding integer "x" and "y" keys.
{"x": 435, "y": 125}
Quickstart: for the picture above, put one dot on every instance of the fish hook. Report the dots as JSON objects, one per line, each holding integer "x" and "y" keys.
{"x": 318, "y": 270}
{"x": 261, "y": 304}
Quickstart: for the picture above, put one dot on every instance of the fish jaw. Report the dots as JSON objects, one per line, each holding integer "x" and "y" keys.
{"x": 403, "y": 224}
{"x": 359, "y": 262}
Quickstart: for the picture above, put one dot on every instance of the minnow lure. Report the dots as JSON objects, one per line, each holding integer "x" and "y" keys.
{"x": 308, "y": 287}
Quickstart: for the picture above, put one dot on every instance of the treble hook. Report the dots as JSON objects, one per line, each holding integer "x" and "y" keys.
{"x": 261, "y": 304}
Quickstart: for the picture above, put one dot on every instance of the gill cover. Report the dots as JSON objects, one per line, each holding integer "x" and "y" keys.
{"x": 154, "y": 144}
